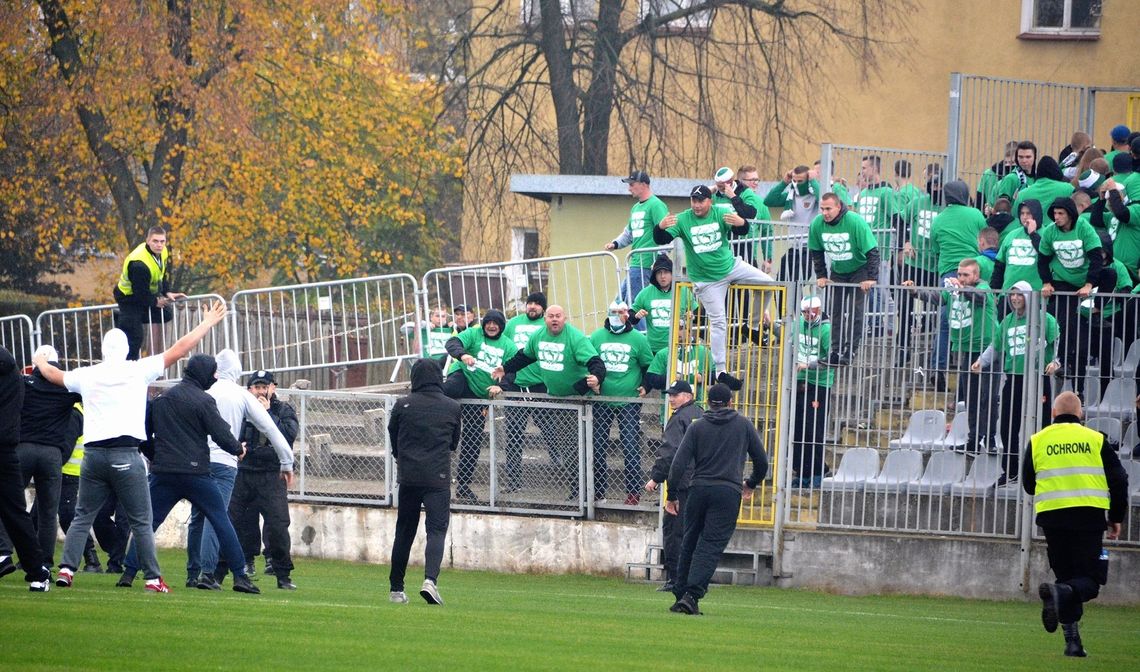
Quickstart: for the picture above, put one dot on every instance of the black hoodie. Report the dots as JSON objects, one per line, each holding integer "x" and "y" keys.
{"x": 179, "y": 421}
{"x": 424, "y": 429}
{"x": 49, "y": 417}
{"x": 1047, "y": 169}
{"x": 11, "y": 399}
{"x": 716, "y": 446}
{"x": 997, "y": 277}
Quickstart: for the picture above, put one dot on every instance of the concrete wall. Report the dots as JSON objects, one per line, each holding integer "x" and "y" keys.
{"x": 846, "y": 563}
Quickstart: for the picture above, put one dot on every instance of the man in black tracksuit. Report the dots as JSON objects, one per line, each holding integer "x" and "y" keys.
{"x": 47, "y": 436}
{"x": 685, "y": 411}
{"x": 178, "y": 423}
{"x": 716, "y": 446}
{"x": 260, "y": 490}
{"x": 424, "y": 431}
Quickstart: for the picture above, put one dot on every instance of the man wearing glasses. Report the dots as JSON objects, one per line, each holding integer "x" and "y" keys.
{"x": 739, "y": 196}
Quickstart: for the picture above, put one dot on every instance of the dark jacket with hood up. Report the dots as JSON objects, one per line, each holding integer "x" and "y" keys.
{"x": 49, "y": 417}
{"x": 716, "y": 446}
{"x": 1095, "y": 256}
{"x": 179, "y": 421}
{"x": 997, "y": 277}
{"x": 424, "y": 429}
{"x": 662, "y": 262}
{"x": 11, "y": 399}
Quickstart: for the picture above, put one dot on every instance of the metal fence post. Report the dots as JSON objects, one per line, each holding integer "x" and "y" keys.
{"x": 953, "y": 126}
{"x": 1034, "y": 360}
{"x": 304, "y": 446}
{"x": 586, "y": 424}
{"x": 781, "y": 475}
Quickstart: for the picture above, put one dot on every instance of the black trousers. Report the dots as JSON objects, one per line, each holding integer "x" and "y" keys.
{"x": 672, "y": 536}
{"x": 847, "y": 307}
{"x": 795, "y": 268}
{"x": 264, "y": 494}
{"x": 1012, "y": 400}
{"x": 710, "y": 520}
{"x": 921, "y": 278}
{"x": 977, "y": 390}
{"x": 15, "y": 517}
{"x": 808, "y": 429}
{"x": 1074, "y": 347}
{"x": 42, "y": 464}
{"x": 436, "y": 503}
{"x": 131, "y": 319}
{"x": 473, "y": 419}
{"x": 1073, "y": 557}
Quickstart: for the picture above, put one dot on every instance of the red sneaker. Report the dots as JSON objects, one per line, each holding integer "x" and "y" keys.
{"x": 65, "y": 577}
{"x": 157, "y": 585}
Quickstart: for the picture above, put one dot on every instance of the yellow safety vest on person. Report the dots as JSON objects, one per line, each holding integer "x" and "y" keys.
{"x": 75, "y": 462}
{"x": 157, "y": 268}
{"x": 1070, "y": 472}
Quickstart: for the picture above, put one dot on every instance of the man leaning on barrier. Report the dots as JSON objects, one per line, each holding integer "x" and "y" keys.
{"x": 569, "y": 365}
{"x": 1079, "y": 490}
{"x": 478, "y": 352}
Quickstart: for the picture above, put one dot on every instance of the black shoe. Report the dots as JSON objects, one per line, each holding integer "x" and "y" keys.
{"x": 1073, "y": 647}
{"x": 666, "y": 587}
{"x": 242, "y": 584}
{"x": 114, "y": 567}
{"x": 269, "y": 567}
{"x": 7, "y": 566}
{"x": 1050, "y": 602}
{"x": 125, "y": 581}
{"x": 686, "y": 605}
{"x": 838, "y": 359}
{"x": 285, "y": 583}
{"x": 207, "y": 582}
{"x": 91, "y": 563}
{"x": 250, "y": 571}
{"x": 192, "y": 582}
{"x": 732, "y": 382}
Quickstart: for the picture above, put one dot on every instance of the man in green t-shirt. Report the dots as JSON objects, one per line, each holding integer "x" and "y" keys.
{"x": 704, "y": 231}
{"x": 1070, "y": 260}
{"x": 1119, "y": 137}
{"x": 986, "y": 197}
{"x": 878, "y": 203}
{"x": 1016, "y": 259}
{"x": 842, "y": 239}
{"x": 1023, "y": 174}
{"x": 654, "y": 305}
{"x": 519, "y": 329}
{"x": 478, "y": 351}
{"x": 626, "y": 354}
{"x": 814, "y": 379}
{"x": 919, "y": 264}
{"x": 972, "y": 318}
{"x": 1007, "y": 353}
{"x": 645, "y": 214}
{"x": 569, "y": 365}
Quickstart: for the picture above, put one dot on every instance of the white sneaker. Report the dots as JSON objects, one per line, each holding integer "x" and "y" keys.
{"x": 41, "y": 586}
{"x": 398, "y": 596}
{"x": 430, "y": 593}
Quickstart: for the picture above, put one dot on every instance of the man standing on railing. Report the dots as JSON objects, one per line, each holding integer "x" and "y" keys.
{"x": 712, "y": 267}
{"x": 644, "y": 216}
{"x": 144, "y": 288}
{"x": 843, "y": 239}
{"x": 424, "y": 431}
{"x": 114, "y": 425}
{"x": 1075, "y": 478}
{"x": 626, "y": 354}
{"x": 478, "y": 351}
{"x": 716, "y": 446}
{"x": 569, "y": 365}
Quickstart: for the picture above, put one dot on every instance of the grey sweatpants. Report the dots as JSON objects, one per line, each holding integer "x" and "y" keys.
{"x": 712, "y": 297}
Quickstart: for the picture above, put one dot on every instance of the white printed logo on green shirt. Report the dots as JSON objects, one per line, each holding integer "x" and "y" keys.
{"x": 1021, "y": 253}
{"x": 869, "y": 208}
{"x": 616, "y": 356}
{"x": 551, "y": 356}
{"x": 922, "y": 226}
{"x": 706, "y": 237}
{"x": 806, "y": 348}
{"x": 1016, "y": 340}
{"x": 637, "y": 223}
{"x": 837, "y": 246}
{"x": 489, "y": 357}
{"x": 661, "y": 313}
{"x": 961, "y": 313}
{"x": 523, "y": 332}
{"x": 1070, "y": 253}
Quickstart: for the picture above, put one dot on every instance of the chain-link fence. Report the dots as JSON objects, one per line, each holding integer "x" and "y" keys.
{"x": 17, "y": 334}
{"x": 77, "y": 333}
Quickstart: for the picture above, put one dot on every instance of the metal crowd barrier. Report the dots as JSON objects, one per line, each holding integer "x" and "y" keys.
{"x": 77, "y": 333}
{"x": 17, "y": 334}
{"x": 584, "y": 284}
{"x": 324, "y": 324}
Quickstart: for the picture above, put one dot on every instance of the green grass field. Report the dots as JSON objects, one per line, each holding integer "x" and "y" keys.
{"x": 341, "y": 619}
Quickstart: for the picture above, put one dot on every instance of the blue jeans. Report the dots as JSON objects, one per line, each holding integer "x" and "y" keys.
{"x": 166, "y": 490}
{"x": 201, "y": 540}
{"x": 942, "y": 345}
{"x": 629, "y": 438}
{"x": 636, "y": 281}
{"x": 117, "y": 471}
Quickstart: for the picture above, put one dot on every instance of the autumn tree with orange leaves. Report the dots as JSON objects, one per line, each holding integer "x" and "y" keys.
{"x": 280, "y": 135}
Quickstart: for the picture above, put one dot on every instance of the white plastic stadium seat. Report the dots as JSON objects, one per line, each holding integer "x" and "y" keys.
{"x": 944, "y": 470}
{"x": 858, "y": 466}
{"x": 959, "y": 433}
{"x": 1131, "y": 438}
{"x": 1127, "y": 369}
{"x": 1133, "y": 468}
{"x": 924, "y": 431}
{"x": 1111, "y": 427}
{"x": 1119, "y": 401}
{"x": 984, "y": 474}
{"x": 901, "y": 467}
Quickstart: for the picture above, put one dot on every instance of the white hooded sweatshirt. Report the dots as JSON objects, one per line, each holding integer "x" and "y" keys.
{"x": 114, "y": 391}
{"x": 236, "y": 405}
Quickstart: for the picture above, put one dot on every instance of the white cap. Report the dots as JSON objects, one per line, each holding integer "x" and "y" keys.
{"x": 723, "y": 174}
{"x": 811, "y": 303}
{"x": 47, "y": 351}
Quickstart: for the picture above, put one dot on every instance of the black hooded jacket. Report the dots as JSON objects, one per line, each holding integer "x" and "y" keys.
{"x": 49, "y": 415}
{"x": 1095, "y": 257}
{"x": 179, "y": 421}
{"x": 454, "y": 346}
{"x": 1047, "y": 169}
{"x": 424, "y": 429}
{"x": 716, "y": 446}
{"x": 260, "y": 455}
{"x": 11, "y": 398}
{"x": 670, "y": 441}
{"x": 997, "y": 277}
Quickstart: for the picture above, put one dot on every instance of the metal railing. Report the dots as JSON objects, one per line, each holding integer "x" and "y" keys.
{"x": 77, "y": 333}
{"x": 326, "y": 324}
{"x": 17, "y": 334}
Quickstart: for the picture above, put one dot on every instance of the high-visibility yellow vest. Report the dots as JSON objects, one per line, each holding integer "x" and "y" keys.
{"x": 157, "y": 268}
{"x": 1066, "y": 457}
{"x": 75, "y": 462}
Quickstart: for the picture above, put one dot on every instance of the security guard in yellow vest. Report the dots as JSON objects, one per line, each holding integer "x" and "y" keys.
{"x": 1075, "y": 478}
{"x": 143, "y": 290}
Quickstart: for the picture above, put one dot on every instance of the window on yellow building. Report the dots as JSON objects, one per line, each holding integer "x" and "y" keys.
{"x": 697, "y": 21}
{"x": 573, "y": 11}
{"x": 1060, "y": 19}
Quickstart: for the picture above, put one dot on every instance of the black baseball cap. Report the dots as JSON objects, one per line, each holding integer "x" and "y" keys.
{"x": 700, "y": 193}
{"x": 678, "y": 387}
{"x": 461, "y": 308}
{"x": 719, "y": 395}
{"x": 261, "y": 377}
{"x": 637, "y": 176}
